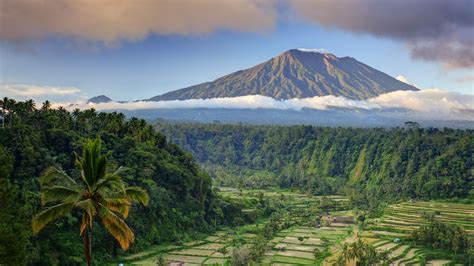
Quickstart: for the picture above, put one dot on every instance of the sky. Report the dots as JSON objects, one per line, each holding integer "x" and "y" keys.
{"x": 137, "y": 49}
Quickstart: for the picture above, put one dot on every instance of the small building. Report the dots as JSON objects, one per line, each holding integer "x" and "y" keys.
{"x": 343, "y": 219}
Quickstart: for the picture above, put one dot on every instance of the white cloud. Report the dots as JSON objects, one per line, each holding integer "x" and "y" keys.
{"x": 405, "y": 80}
{"x": 428, "y": 104}
{"x": 26, "y": 91}
{"x": 433, "y": 103}
{"x": 402, "y": 79}
{"x": 314, "y": 50}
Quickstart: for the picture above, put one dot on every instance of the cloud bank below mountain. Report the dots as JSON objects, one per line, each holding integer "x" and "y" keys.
{"x": 429, "y": 104}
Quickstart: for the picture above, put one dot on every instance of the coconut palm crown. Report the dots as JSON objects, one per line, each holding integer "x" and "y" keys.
{"x": 95, "y": 193}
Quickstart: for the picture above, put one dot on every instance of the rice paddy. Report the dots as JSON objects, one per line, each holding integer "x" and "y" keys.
{"x": 391, "y": 231}
{"x": 297, "y": 243}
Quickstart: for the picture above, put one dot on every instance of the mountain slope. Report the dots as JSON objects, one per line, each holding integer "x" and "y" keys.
{"x": 297, "y": 74}
{"x": 99, "y": 99}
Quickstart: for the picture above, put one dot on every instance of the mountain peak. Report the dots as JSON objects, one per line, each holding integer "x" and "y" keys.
{"x": 297, "y": 73}
{"x": 99, "y": 99}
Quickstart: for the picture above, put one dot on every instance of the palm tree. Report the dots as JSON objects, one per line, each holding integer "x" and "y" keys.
{"x": 97, "y": 193}
{"x": 363, "y": 254}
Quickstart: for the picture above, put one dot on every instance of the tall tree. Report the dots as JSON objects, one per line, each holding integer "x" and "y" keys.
{"x": 98, "y": 192}
{"x": 362, "y": 254}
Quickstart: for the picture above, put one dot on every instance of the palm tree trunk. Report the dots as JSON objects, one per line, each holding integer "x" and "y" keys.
{"x": 87, "y": 246}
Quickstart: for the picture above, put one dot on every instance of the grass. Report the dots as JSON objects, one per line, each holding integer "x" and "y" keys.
{"x": 397, "y": 222}
{"x": 292, "y": 260}
{"x": 194, "y": 252}
{"x": 204, "y": 249}
{"x": 296, "y": 254}
{"x": 400, "y": 219}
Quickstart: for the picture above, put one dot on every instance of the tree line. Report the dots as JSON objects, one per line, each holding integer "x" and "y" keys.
{"x": 367, "y": 165}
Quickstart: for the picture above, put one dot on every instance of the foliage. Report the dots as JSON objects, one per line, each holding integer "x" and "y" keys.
{"x": 99, "y": 192}
{"x": 241, "y": 256}
{"x": 439, "y": 235}
{"x": 160, "y": 260}
{"x": 182, "y": 201}
{"x": 368, "y": 165}
{"x": 363, "y": 253}
{"x": 258, "y": 247}
{"x": 223, "y": 250}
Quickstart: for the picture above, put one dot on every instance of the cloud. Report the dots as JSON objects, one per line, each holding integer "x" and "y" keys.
{"x": 434, "y": 30}
{"x": 434, "y": 104}
{"x": 314, "y": 50}
{"x": 466, "y": 79}
{"x": 111, "y": 21}
{"x": 25, "y": 91}
{"x": 405, "y": 80}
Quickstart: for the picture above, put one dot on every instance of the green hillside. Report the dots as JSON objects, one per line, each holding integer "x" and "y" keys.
{"x": 368, "y": 165}
{"x": 182, "y": 203}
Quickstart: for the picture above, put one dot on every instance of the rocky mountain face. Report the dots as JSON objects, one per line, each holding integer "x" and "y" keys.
{"x": 297, "y": 73}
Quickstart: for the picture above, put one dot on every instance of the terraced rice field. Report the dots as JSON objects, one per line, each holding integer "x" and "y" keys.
{"x": 296, "y": 246}
{"x": 203, "y": 252}
{"x": 293, "y": 246}
{"x": 400, "y": 219}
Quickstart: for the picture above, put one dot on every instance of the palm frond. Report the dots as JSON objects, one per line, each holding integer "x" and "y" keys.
{"x": 89, "y": 207}
{"x": 59, "y": 193}
{"x": 116, "y": 227}
{"x": 137, "y": 194}
{"x": 101, "y": 167}
{"x": 52, "y": 174}
{"x": 112, "y": 183}
{"x": 120, "y": 171}
{"x": 120, "y": 205}
{"x": 50, "y": 214}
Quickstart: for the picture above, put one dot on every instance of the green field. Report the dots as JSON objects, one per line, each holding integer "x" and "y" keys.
{"x": 293, "y": 244}
{"x": 297, "y": 241}
{"x": 391, "y": 231}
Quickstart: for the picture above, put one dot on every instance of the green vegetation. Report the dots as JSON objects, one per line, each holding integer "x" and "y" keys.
{"x": 363, "y": 253}
{"x": 182, "y": 203}
{"x": 439, "y": 235}
{"x": 367, "y": 165}
{"x": 420, "y": 231}
{"x": 298, "y": 195}
{"x": 98, "y": 192}
{"x": 274, "y": 238}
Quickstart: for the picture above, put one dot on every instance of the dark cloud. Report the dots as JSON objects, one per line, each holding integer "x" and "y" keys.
{"x": 435, "y": 30}
{"x": 112, "y": 21}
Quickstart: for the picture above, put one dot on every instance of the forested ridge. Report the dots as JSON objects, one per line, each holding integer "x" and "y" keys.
{"x": 32, "y": 139}
{"x": 368, "y": 165}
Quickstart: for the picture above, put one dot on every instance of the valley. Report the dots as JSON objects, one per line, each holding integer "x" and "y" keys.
{"x": 236, "y": 133}
{"x": 233, "y": 194}
{"x": 311, "y": 230}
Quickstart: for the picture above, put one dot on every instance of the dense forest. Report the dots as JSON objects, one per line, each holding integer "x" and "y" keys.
{"x": 182, "y": 202}
{"x": 368, "y": 165}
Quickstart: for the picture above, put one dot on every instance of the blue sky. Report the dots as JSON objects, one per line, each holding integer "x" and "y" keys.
{"x": 158, "y": 62}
